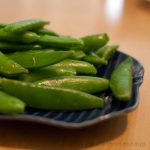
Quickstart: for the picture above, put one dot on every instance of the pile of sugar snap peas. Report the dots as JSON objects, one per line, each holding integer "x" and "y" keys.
{"x": 44, "y": 70}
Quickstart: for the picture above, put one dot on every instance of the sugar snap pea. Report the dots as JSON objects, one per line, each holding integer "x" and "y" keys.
{"x": 39, "y": 58}
{"x": 81, "y": 67}
{"x": 43, "y": 31}
{"x": 107, "y": 51}
{"x": 121, "y": 80}
{"x": 10, "y": 104}
{"x": 51, "y": 98}
{"x": 27, "y": 37}
{"x": 8, "y": 67}
{"x": 78, "y": 55}
{"x": 25, "y": 25}
{"x": 82, "y": 83}
{"x": 93, "y": 42}
{"x": 12, "y": 47}
{"x": 94, "y": 59}
{"x": 2, "y": 25}
{"x": 47, "y": 72}
{"x": 60, "y": 42}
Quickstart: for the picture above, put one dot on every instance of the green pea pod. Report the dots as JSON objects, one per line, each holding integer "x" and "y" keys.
{"x": 8, "y": 67}
{"x": 51, "y": 98}
{"x": 121, "y": 80}
{"x": 27, "y": 37}
{"x": 43, "y": 31}
{"x": 39, "y": 58}
{"x": 82, "y": 83}
{"x": 23, "y": 26}
{"x": 2, "y": 25}
{"x": 94, "y": 59}
{"x": 60, "y": 42}
{"x": 12, "y": 47}
{"x": 78, "y": 55}
{"x": 93, "y": 42}
{"x": 10, "y": 104}
{"x": 47, "y": 72}
{"x": 81, "y": 67}
{"x": 107, "y": 51}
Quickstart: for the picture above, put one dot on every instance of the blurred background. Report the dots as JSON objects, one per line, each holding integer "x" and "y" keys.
{"x": 126, "y": 21}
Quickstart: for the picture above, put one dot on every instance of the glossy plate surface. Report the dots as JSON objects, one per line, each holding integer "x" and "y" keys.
{"x": 89, "y": 117}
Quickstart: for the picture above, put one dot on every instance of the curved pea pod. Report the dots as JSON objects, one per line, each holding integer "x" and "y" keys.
{"x": 93, "y": 42}
{"x": 43, "y": 31}
{"x": 60, "y": 42}
{"x": 78, "y": 55}
{"x": 23, "y": 26}
{"x": 27, "y": 37}
{"x": 81, "y": 83}
{"x": 47, "y": 72}
{"x": 9, "y": 67}
{"x": 39, "y": 58}
{"x": 51, "y": 98}
{"x": 94, "y": 59}
{"x": 12, "y": 47}
{"x": 107, "y": 51}
{"x": 81, "y": 67}
{"x": 121, "y": 80}
{"x": 10, "y": 104}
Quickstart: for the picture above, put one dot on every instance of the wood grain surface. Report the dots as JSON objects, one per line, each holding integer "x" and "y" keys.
{"x": 128, "y": 24}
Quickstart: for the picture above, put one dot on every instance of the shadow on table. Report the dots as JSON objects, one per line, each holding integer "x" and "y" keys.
{"x": 145, "y": 4}
{"x": 42, "y": 137}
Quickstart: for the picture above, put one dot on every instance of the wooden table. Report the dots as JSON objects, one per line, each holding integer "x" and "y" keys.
{"x": 127, "y": 23}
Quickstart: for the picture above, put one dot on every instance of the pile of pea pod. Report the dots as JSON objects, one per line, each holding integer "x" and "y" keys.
{"x": 44, "y": 70}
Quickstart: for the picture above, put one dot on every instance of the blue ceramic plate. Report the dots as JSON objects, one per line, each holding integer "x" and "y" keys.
{"x": 89, "y": 117}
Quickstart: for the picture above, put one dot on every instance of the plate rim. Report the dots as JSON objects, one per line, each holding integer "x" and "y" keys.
{"x": 38, "y": 119}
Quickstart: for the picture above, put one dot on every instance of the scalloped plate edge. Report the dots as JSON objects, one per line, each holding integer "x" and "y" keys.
{"x": 56, "y": 123}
